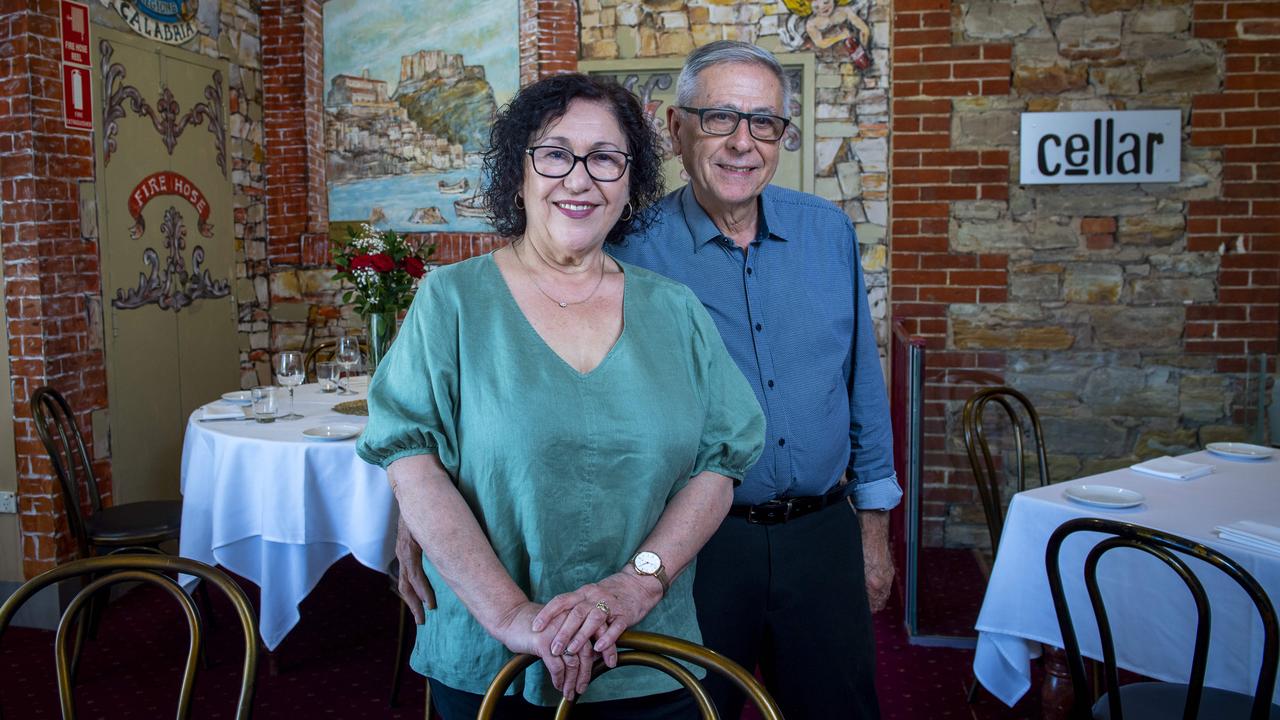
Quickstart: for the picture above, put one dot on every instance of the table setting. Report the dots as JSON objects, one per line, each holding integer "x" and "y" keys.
{"x": 274, "y": 491}
{"x": 1226, "y": 496}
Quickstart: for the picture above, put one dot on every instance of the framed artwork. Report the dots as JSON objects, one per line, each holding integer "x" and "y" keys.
{"x": 411, "y": 90}
{"x": 653, "y": 80}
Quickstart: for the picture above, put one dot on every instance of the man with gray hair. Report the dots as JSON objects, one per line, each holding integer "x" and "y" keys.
{"x": 789, "y": 579}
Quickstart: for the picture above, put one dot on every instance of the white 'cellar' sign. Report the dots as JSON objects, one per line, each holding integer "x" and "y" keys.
{"x": 1074, "y": 148}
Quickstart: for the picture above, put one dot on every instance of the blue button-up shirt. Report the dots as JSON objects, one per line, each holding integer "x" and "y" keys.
{"x": 793, "y": 312}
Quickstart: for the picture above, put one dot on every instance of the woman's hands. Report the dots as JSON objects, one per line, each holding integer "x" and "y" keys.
{"x": 570, "y": 670}
{"x": 594, "y": 616}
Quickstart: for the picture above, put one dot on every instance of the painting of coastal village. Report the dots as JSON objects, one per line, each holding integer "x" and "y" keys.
{"x": 411, "y": 90}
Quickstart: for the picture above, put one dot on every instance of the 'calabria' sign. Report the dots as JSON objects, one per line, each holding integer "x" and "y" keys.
{"x": 1073, "y": 148}
{"x": 168, "y": 21}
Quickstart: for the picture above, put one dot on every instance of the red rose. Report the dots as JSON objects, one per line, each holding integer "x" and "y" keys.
{"x": 414, "y": 267}
{"x": 361, "y": 262}
{"x": 382, "y": 262}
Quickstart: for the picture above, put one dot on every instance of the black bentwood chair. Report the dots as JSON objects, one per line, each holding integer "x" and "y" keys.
{"x": 103, "y": 572}
{"x": 981, "y": 461}
{"x": 1156, "y": 699}
{"x": 655, "y": 651}
{"x": 126, "y": 528}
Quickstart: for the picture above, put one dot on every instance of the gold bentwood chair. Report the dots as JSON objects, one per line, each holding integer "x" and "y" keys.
{"x": 656, "y": 651}
{"x": 324, "y": 352}
{"x": 985, "y": 473}
{"x": 1159, "y": 699}
{"x": 103, "y": 572}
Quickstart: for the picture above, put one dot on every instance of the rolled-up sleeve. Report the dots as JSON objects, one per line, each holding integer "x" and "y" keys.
{"x": 870, "y": 428}
{"x": 413, "y": 394}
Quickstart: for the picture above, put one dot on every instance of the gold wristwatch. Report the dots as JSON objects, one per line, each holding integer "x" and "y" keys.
{"x": 648, "y": 563}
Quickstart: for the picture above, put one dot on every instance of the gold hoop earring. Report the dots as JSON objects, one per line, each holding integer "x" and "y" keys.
{"x": 519, "y": 201}
{"x": 629, "y": 213}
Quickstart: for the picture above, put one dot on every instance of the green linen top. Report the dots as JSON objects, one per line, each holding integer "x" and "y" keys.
{"x": 567, "y": 473}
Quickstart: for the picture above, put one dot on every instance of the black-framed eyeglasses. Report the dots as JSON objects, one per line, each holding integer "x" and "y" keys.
{"x": 554, "y": 161}
{"x": 724, "y": 121}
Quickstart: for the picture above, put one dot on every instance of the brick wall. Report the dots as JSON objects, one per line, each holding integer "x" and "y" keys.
{"x": 1243, "y": 224}
{"x": 50, "y": 271}
{"x": 1125, "y": 311}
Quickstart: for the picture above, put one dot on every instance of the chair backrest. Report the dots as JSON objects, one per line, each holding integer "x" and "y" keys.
{"x": 981, "y": 461}
{"x": 108, "y": 570}
{"x": 656, "y": 651}
{"x": 1168, "y": 548}
{"x": 324, "y": 352}
{"x": 60, "y": 434}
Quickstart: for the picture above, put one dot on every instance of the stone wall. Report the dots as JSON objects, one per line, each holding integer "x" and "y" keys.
{"x": 851, "y": 104}
{"x": 1126, "y": 312}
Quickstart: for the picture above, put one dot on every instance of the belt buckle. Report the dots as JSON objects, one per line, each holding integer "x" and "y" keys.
{"x": 786, "y": 511}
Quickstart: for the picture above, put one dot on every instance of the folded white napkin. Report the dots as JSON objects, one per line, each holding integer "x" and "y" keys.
{"x": 1172, "y": 468}
{"x": 221, "y": 410}
{"x": 1252, "y": 534}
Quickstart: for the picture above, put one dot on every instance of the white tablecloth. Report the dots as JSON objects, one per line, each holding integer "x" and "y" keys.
{"x": 1151, "y": 612}
{"x": 276, "y": 508}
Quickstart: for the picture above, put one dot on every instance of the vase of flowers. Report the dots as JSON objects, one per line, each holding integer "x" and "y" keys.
{"x": 383, "y": 268}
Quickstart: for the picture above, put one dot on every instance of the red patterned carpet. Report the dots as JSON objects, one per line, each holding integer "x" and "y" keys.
{"x": 337, "y": 664}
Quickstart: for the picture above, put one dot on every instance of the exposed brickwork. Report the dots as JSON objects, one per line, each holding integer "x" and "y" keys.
{"x": 1243, "y": 224}
{"x": 293, "y": 118}
{"x": 1085, "y": 297}
{"x": 50, "y": 271}
{"x": 926, "y": 274}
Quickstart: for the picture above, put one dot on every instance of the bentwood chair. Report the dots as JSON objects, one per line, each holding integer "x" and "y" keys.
{"x": 103, "y": 572}
{"x": 655, "y": 651}
{"x": 129, "y": 527}
{"x": 988, "y": 478}
{"x": 102, "y": 529}
{"x": 985, "y": 473}
{"x": 324, "y": 352}
{"x": 1157, "y": 699}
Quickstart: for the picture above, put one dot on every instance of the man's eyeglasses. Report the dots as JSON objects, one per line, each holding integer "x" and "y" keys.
{"x": 554, "y": 161}
{"x": 723, "y": 121}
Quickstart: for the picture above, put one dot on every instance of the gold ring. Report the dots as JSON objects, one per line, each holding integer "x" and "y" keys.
{"x": 602, "y": 607}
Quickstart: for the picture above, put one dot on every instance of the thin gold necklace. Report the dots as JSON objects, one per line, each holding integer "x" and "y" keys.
{"x": 561, "y": 303}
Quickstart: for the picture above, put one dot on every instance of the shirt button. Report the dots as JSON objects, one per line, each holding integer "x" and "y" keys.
{"x": 759, "y": 327}
{"x": 782, "y": 442}
{"x": 748, "y": 271}
{"x": 770, "y": 383}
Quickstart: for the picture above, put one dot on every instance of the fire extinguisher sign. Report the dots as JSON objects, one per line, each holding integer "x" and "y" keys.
{"x": 77, "y": 104}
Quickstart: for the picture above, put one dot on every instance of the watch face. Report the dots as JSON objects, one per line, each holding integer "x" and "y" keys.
{"x": 647, "y": 562}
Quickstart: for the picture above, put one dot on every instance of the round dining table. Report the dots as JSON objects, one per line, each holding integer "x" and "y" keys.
{"x": 277, "y": 505}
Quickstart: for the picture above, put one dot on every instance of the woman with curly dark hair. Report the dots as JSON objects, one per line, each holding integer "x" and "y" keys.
{"x": 562, "y": 431}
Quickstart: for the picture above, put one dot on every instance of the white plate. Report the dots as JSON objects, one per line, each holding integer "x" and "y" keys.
{"x": 239, "y": 397}
{"x": 1240, "y": 451}
{"x": 1106, "y": 496}
{"x": 332, "y": 432}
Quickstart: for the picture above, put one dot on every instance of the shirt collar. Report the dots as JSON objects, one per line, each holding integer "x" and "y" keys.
{"x": 702, "y": 229}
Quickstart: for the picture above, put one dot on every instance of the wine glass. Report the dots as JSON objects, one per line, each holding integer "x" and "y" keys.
{"x": 289, "y": 373}
{"x": 347, "y": 355}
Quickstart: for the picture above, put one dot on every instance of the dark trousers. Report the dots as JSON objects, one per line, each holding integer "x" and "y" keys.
{"x": 458, "y": 705}
{"x": 791, "y": 598}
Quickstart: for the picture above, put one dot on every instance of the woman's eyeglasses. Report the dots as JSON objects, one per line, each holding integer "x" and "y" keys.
{"x": 553, "y": 161}
{"x": 723, "y": 121}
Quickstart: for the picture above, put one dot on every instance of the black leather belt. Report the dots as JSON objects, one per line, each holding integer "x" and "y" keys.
{"x": 784, "y": 509}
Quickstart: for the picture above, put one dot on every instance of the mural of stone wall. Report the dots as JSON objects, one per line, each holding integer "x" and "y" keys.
{"x": 851, "y": 102}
